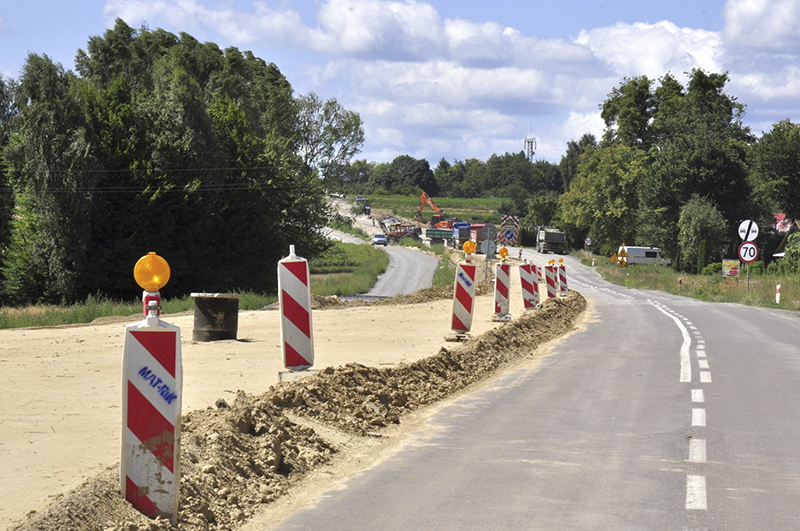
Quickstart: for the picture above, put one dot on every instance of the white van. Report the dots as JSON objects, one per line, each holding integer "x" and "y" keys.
{"x": 644, "y": 255}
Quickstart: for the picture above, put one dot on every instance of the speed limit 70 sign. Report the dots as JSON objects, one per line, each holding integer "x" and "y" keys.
{"x": 748, "y": 252}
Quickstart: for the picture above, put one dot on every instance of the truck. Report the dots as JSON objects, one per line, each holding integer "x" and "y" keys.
{"x": 476, "y": 232}
{"x": 551, "y": 239}
{"x": 460, "y": 233}
{"x": 438, "y": 236}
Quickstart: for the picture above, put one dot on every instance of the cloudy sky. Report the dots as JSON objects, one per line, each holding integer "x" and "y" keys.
{"x": 459, "y": 79}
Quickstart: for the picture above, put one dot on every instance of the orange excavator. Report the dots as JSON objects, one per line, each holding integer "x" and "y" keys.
{"x": 438, "y": 219}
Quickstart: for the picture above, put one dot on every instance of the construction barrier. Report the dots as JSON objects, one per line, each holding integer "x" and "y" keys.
{"x": 294, "y": 296}
{"x": 463, "y": 297}
{"x": 551, "y": 279}
{"x": 152, "y": 381}
{"x": 502, "y": 281}
{"x": 562, "y": 280}
{"x": 529, "y": 279}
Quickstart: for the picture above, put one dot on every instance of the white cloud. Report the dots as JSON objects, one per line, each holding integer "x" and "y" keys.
{"x": 433, "y": 86}
{"x": 763, "y": 25}
{"x": 266, "y": 25}
{"x": 654, "y": 49}
{"x": 369, "y": 28}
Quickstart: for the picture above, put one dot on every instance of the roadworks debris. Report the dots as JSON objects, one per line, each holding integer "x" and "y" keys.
{"x": 236, "y": 457}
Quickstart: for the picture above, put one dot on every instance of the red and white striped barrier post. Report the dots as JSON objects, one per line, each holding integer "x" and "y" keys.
{"x": 529, "y": 279}
{"x": 778, "y": 294}
{"x": 463, "y": 295}
{"x": 294, "y": 296}
{"x": 551, "y": 279}
{"x": 502, "y": 281}
{"x": 152, "y": 381}
{"x": 562, "y": 278}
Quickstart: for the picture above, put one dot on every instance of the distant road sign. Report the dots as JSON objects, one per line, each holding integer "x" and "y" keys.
{"x": 488, "y": 247}
{"x": 748, "y": 230}
{"x": 490, "y": 231}
{"x": 588, "y": 242}
{"x": 748, "y": 252}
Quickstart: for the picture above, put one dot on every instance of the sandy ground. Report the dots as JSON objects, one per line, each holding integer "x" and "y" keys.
{"x": 60, "y": 387}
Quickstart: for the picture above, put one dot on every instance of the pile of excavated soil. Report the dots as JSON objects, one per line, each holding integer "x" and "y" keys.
{"x": 238, "y": 456}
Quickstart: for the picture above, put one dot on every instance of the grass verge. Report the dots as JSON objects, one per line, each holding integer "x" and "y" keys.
{"x": 98, "y": 306}
{"x": 711, "y": 288}
{"x": 347, "y": 269}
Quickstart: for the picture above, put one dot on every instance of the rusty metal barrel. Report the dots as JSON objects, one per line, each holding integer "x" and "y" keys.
{"x": 216, "y": 316}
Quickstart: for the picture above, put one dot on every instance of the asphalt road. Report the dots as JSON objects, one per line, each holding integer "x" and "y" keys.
{"x": 409, "y": 270}
{"x": 663, "y": 413}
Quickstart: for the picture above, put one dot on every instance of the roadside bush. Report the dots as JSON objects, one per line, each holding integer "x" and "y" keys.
{"x": 712, "y": 269}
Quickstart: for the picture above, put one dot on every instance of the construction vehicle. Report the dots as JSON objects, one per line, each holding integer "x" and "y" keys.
{"x": 437, "y": 235}
{"x": 460, "y": 233}
{"x": 361, "y": 206}
{"x": 551, "y": 239}
{"x": 395, "y": 230}
{"x": 438, "y": 219}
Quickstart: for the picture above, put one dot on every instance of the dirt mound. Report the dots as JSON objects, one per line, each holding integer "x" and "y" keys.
{"x": 236, "y": 457}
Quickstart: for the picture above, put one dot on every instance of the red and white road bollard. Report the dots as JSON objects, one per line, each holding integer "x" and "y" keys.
{"x": 529, "y": 279}
{"x": 463, "y": 297}
{"x": 152, "y": 382}
{"x": 778, "y": 294}
{"x": 294, "y": 295}
{"x": 502, "y": 282}
{"x": 551, "y": 279}
{"x": 562, "y": 280}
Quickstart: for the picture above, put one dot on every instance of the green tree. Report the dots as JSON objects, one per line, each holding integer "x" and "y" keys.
{"x": 51, "y": 169}
{"x": 161, "y": 144}
{"x": 775, "y": 169}
{"x": 572, "y": 158}
{"x": 702, "y": 231}
{"x": 627, "y": 113}
{"x": 328, "y": 136}
{"x": 542, "y": 209}
{"x": 701, "y": 148}
{"x": 604, "y": 198}
{"x": 405, "y": 175}
{"x": 6, "y": 196}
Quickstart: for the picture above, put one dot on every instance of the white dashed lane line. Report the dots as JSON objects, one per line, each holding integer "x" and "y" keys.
{"x": 696, "y": 495}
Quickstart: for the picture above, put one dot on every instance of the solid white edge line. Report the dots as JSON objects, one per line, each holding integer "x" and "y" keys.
{"x": 686, "y": 364}
{"x": 696, "y": 493}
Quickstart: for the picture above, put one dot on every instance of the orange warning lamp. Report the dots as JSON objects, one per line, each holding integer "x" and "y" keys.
{"x": 503, "y": 252}
{"x": 151, "y": 272}
{"x": 469, "y": 247}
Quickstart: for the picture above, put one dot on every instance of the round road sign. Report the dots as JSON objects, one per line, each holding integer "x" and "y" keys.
{"x": 748, "y": 252}
{"x": 748, "y": 230}
{"x": 588, "y": 242}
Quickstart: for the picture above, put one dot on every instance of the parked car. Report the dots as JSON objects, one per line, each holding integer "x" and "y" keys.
{"x": 379, "y": 239}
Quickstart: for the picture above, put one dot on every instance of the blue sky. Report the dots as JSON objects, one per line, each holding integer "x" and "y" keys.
{"x": 458, "y": 79}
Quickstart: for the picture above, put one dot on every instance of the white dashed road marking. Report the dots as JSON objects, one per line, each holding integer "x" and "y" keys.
{"x": 696, "y": 493}
{"x": 697, "y": 450}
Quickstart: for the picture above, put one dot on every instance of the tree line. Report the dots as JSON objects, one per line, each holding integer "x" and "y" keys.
{"x": 158, "y": 142}
{"x": 675, "y": 168}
